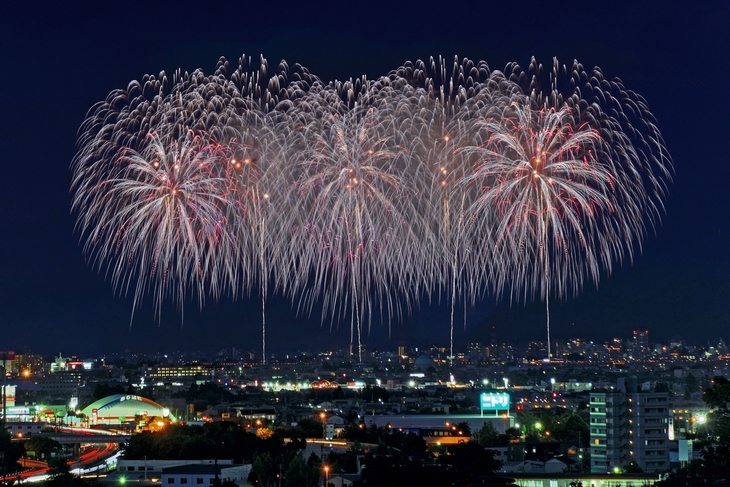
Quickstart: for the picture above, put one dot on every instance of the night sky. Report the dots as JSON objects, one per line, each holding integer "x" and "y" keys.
{"x": 58, "y": 61}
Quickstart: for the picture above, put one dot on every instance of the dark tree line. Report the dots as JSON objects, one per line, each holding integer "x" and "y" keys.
{"x": 463, "y": 465}
{"x": 210, "y": 441}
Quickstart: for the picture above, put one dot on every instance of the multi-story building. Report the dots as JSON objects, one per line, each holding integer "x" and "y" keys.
{"x": 185, "y": 373}
{"x": 61, "y": 385}
{"x": 640, "y": 344}
{"x": 27, "y": 365}
{"x": 649, "y": 416}
{"x": 627, "y": 424}
{"x": 608, "y": 431}
{"x": 536, "y": 350}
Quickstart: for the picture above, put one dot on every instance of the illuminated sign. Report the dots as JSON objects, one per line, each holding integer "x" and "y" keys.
{"x": 494, "y": 401}
{"x": 130, "y": 398}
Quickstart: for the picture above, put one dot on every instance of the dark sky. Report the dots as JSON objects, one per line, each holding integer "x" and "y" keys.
{"x": 58, "y": 61}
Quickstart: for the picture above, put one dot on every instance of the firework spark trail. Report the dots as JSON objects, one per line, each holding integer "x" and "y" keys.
{"x": 252, "y": 162}
{"x": 352, "y": 186}
{"x": 366, "y": 195}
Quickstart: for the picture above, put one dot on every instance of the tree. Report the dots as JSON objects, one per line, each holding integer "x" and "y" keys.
{"x": 463, "y": 428}
{"x": 412, "y": 445}
{"x": 57, "y": 467}
{"x": 264, "y": 433}
{"x": 510, "y": 434}
{"x": 195, "y": 447}
{"x": 333, "y": 461}
{"x": 487, "y": 436}
{"x": 311, "y": 428}
{"x": 220, "y": 439}
{"x": 263, "y": 467}
{"x": 570, "y": 426}
{"x": 296, "y": 473}
{"x": 314, "y": 469}
{"x": 61, "y": 476}
{"x": 400, "y": 471}
{"x": 292, "y": 432}
{"x": 373, "y": 394}
{"x": 350, "y": 462}
{"x": 42, "y": 446}
{"x": 713, "y": 468}
{"x": 717, "y": 398}
{"x": 718, "y": 395}
{"x": 470, "y": 460}
{"x": 691, "y": 384}
{"x": 11, "y": 452}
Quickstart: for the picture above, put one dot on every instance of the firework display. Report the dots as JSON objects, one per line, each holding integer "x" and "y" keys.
{"x": 360, "y": 198}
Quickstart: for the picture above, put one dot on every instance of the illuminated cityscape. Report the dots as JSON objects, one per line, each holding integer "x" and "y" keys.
{"x": 377, "y": 244}
{"x": 639, "y": 402}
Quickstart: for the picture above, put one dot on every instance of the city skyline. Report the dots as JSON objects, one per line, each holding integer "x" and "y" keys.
{"x": 51, "y": 298}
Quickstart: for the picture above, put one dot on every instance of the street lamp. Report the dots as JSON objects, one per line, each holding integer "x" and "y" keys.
{"x": 326, "y": 475}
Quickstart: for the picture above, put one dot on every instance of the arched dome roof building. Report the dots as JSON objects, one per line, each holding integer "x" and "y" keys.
{"x": 119, "y": 408}
{"x": 423, "y": 362}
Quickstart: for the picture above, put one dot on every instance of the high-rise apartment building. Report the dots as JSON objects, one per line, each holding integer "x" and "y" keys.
{"x": 641, "y": 343}
{"x": 627, "y": 424}
{"x": 608, "y": 431}
{"x": 649, "y": 422}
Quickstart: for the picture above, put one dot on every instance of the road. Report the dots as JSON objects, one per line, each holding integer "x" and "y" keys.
{"x": 95, "y": 455}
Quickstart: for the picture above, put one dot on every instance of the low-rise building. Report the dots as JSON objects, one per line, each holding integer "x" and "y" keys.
{"x": 205, "y": 474}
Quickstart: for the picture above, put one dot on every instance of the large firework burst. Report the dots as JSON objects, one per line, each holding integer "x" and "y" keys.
{"x": 366, "y": 195}
{"x": 550, "y": 203}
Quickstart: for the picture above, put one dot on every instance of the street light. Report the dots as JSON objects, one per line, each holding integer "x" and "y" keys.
{"x": 326, "y": 475}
